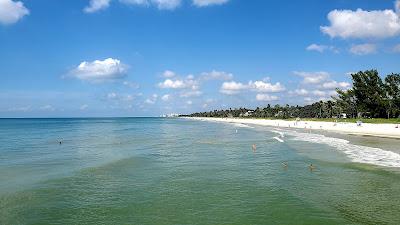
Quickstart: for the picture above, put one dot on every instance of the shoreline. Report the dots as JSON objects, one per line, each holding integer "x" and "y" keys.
{"x": 366, "y": 129}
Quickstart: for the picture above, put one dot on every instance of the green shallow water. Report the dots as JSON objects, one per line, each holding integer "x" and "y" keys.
{"x": 175, "y": 171}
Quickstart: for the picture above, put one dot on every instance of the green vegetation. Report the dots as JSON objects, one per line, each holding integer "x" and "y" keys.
{"x": 371, "y": 98}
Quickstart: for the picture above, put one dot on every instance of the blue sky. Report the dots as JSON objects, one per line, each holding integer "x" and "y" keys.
{"x": 151, "y": 57}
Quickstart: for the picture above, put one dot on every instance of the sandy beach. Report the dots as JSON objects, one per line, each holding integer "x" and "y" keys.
{"x": 365, "y": 129}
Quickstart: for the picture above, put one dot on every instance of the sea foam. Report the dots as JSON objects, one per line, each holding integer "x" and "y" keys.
{"x": 357, "y": 153}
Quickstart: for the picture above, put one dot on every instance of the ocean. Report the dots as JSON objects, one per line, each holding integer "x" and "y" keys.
{"x": 180, "y": 171}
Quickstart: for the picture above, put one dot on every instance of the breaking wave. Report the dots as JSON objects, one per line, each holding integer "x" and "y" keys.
{"x": 357, "y": 153}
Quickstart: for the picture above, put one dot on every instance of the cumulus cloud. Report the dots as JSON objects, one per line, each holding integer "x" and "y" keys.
{"x": 362, "y": 24}
{"x": 266, "y": 97}
{"x": 217, "y": 75}
{"x": 130, "y": 84}
{"x": 100, "y": 70}
{"x": 320, "y": 93}
{"x": 96, "y": 5}
{"x": 174, "y": 84}
{"x": 111, "y": 95}
{"x": 232, "y": 87}
{"x": 262, "y": 86}
{"x": 160, "y": 4}
{"x": 152, "y": 100}
{"x": 203, "y": 3}
{"x": 312, "y": 77}
{"x": 20, "y": 109}
{"x": 363, "y": 49}
{"x": 168, "y": 74}
{"x": 301, "y": 92}
{"x": 83, "y": 107}
{"x": 167, "y": 4}
{"x": 334, "y": 84}
{"x": 191, "y": 93}
{"x": 12, "y": 11}
{"x": 321, "y": 48}
{"x": 166, "y": 97}
{"x": 47, "y": 108}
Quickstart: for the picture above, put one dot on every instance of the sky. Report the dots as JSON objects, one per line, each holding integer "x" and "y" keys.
{"x": 95, "y": 58}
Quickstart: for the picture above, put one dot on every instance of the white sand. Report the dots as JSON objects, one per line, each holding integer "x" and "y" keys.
{"x": 378, "y": 130}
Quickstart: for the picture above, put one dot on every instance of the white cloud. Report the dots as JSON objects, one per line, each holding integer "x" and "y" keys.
{"x": 217, "y": 75}
{"x": 100, "y": 70}
{"x": 321, "y": 48}
{"x": 152, "y": 100}
{"x": 166, "y": 97}
{"x": 83, "y": 107}
{"x": 167, "y": 4}
{"x": 136, "y": 2}
{"x": 168, "y": 74}
{"x": 130, "y": 84}
{"x": 334, "y": 84}
{"x": 118, "y": 98}
{"x": 301, "y": 92}
{"x": 362, "y": 24}
{"x": 12, "y": 11}
{"x": 232, "y": 87}
{"x": 187, "y": 94}
{"x": 96, "y": 5}
{"x": 262, "y": 86}
{"x": 203, "y": 3}
{"x": 266, "y": 97}
{"x": 397, "y": 6}
{"x": 363, "y": 49}
{"x": 174, "y": 84}
{"x": 112, "y": 95}
{"x": 320, "y": 93}
{"x": 312, "y": 77}
{"x": 20, "y": 109}
{"x": 308, "y": 100}
{"x": 47, "y": 108}
{"x": 189, "y": 102}
{"x": 160, "y": 4}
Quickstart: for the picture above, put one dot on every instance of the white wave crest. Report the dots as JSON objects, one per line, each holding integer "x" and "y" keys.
{"x": 281, "y": 134}
{"x": 278, "y": 139}
{"x": 241, "y": 125}
{"x": 357, "y": 153}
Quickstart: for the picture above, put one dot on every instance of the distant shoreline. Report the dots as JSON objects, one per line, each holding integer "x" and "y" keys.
{"x": 388, "y": 130}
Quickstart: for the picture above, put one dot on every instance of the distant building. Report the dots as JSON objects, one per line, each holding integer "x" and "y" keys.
{"x": 246, "y": 114}
{"x": 170, "y": 115}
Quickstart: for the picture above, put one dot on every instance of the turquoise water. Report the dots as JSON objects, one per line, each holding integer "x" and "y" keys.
{"x": 177, "y": 171}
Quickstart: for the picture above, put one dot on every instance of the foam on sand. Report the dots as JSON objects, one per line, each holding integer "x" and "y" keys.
{"x": 357, "y": 153}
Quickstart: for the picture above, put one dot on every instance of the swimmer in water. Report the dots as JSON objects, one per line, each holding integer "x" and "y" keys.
{"x": 254, "y": 147}
{"x": 285, "y": 165}
{"x": 311, "y": 167}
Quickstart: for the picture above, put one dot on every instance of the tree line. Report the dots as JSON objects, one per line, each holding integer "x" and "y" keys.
{"x": 369, "y": 97}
